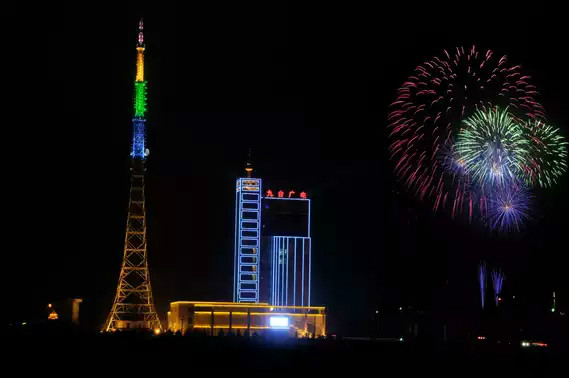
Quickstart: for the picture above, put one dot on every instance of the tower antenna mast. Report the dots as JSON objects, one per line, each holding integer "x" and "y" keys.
{"x": 133, "y": 306}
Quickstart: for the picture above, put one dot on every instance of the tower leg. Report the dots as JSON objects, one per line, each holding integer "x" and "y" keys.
{"x": 133, "y": 306}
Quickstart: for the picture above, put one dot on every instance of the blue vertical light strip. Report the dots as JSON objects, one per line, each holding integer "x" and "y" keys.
{"x": 248, "y": 240}
{"x": 308, "y": 231}
{"x": 294, "y": 270}
{"x": 309, "y": 267}
{"x": 281, "y": 249}
{"x": 275, "y": 269}
{"x": 309, "y": 254}
{"x": 302, "y": 298}
{"x": 282, "y": 262}
{"x": 236, "y": 243}
{"x": 272, "y": 295}
{"x": 286, "y": 271}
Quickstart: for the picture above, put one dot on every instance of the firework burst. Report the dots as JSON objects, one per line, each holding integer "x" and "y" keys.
{"x": 548, "y": 154}
{"x": 493, "y": 147}
{"x": 430, "y": 106}
{"x": 508, "y": 207}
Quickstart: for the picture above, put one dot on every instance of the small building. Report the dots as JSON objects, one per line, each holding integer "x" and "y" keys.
{"x": 261, "y": 318}
{"x": 67, "y": 310}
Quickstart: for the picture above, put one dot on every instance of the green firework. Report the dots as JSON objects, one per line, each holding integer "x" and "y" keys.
{"x": 548, "y": 154}
{"x": 493, "y": 146}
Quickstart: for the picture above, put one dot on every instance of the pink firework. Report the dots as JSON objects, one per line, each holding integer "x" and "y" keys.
{"x": 426, "y": 116}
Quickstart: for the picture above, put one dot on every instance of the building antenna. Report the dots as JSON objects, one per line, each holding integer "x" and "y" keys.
{"x": 249, "y": 165}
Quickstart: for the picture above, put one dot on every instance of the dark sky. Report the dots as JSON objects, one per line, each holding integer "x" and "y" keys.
{"x": 308, "y": 90}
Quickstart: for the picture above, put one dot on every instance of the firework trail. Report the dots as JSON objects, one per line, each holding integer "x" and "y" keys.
{"x": 482, "y": 281}
{"x": 497, "y": 280}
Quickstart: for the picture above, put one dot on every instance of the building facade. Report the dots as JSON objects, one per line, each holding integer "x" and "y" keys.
{"x": 247, "y": 250}
{"x": 286, "y": 236}
{"x": 215, "y": 318}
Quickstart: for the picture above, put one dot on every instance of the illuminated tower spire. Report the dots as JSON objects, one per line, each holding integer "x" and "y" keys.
{"x": 139, "y": 150}
{"x": 133, "y": 306}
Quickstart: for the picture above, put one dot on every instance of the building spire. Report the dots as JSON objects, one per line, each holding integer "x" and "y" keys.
{"x": 140, "y": 53}
{"x": 249, "y": 165}
{"x": 140, "y": 33}
{"x": 139, "y": 149}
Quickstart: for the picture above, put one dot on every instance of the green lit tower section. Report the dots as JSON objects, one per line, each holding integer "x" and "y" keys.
{"x": 133, "y": 307}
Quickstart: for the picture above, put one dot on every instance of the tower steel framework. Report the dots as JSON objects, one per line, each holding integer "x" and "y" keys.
{"x": 133, "y": 306}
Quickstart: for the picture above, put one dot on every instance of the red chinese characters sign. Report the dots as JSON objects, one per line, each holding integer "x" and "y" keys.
{"x": 281, "y": 194}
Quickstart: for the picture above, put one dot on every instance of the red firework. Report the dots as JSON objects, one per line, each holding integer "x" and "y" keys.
{"x": 428, "y": 111}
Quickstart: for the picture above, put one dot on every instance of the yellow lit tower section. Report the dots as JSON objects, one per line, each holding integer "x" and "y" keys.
{"x": 140, "y": 55}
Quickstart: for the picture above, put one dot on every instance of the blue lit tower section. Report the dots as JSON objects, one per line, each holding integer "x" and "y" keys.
{"x": 287, "y": 228}
{"x": 247, "y": 252}
{"x": 138, "y": 138}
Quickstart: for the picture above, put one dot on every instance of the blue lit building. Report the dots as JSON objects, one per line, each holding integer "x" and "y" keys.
{"x": 273, "y": 248}
{"x": 286, "y": 235}
{"x": 247, "y": 252}
{"x": 272, "y": 267}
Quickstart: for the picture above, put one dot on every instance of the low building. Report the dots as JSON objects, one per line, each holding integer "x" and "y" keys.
{"x": 261, "y": 318}
{"x": 66, "y": 311}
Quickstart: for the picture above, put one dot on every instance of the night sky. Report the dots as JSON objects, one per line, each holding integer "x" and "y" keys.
{"x": 308, "y": 90}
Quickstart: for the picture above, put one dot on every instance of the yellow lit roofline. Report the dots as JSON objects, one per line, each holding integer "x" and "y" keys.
{"x": 233, "y": 327}
{"x": 253, "y": 313}
{"x": 244, "y": 304}
{"x": 219, "y": 303}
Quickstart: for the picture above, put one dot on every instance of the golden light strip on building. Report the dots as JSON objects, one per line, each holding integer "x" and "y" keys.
{"x": 253, "y": 313}
{"x": 232, "y": 327}
{"x": 248, "y": 305}
{"x": 223, "y": 303}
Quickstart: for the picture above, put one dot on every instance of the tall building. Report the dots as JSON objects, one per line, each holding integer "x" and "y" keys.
{"x": 133, "y": 306}
{"x": 272, "y": 256}
{"x": 286, "y": 237}
{"x": 247, "y": 252}
{"x": 272, "y": 267}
